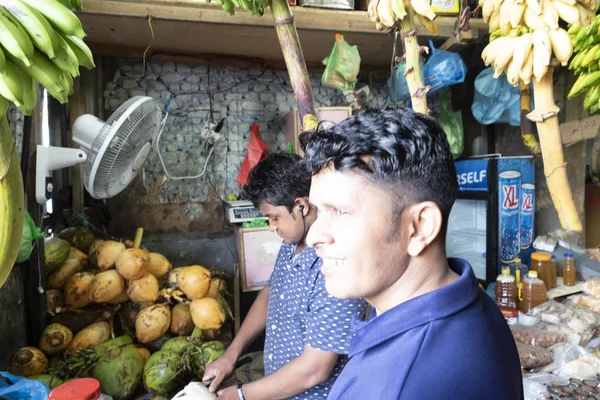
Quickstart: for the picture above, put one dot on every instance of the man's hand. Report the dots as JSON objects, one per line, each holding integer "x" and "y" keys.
{"x": 229, "y": 393}
{"x": 218, "y": 370}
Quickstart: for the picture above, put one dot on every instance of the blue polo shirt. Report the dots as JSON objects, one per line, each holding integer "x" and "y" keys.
{"x": 302, "y": 312}
{"x": 452, "y": 343}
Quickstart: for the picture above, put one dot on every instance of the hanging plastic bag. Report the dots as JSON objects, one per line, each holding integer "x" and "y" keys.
{"x": 495, "y": 100}
{"x": 451, "y": 122}
{"x": 14, "y": 387}
{"x": 257, "y": 150}
{"x": 342, "y": 65}
{"x": 30, "y": 234}
{"x": 397, "y": 84}
{"x": 443, "y": 69}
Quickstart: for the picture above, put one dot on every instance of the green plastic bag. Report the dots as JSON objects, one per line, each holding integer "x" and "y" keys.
{"x": 451, "y": 122}
{"x": 30, "y": 234}
{"x": 342, "y": 65}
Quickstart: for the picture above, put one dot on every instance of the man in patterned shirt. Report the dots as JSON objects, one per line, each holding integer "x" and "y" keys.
{"x": 308, "y": 333}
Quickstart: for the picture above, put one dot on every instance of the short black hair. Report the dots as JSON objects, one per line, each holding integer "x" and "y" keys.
{"x": 279, "y": 180}
{"x": 404, "y": 151}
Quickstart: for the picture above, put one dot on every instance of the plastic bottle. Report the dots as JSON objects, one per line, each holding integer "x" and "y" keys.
{"x": 552, "y": 271}
{"x": 533, "y": 292}
{"x": 506, "y": 295}
{"x": 518, "y": 266}
{"x": 540, "y": 262}
{"x": 569, "y": 272}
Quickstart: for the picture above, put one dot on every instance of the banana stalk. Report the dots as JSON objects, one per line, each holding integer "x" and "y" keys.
{"x": 414, "y": 79}
{"x": 11, "y": 201}
{"x": 527, "y": 126}
{"x": 295, "y": 63}
{"x": 545, "y": 115}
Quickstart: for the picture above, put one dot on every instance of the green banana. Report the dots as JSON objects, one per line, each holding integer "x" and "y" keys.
{"x": 228, "y": 6}
{"x": 10, "y": 84}
{"x": 3, "y": 105}
{"x": 591, "y": 97}
{"x": 39, "y": 29}
{"x": 573, "y": 29}
{"x": 11, "y": 199}
{"x": 43, "y": 71}
{"x": 66, "y": 59}
{"x": 29, "y": 92}
{"x": 77, "y": 5}
{"x": 576, "y": 61}
{"x": 82, "y": 51}
{"x": 65, "y": 3}
{"x": 14, "y": 38}
{"x": 399, "y": 9}
{"x": 66, "y": 83}
{"x": 2, "y": 59}
{"x": 589, "y": 56}
{"x": 60, "y": 16}
{"x": 593, "y": 109}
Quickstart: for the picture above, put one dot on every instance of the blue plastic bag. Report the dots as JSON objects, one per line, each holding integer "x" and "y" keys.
{"x": 397, "y": 84}
{"x": 14, "y": 387}
{"x": 495, "y": 100}
{"x": 443, "y": 69}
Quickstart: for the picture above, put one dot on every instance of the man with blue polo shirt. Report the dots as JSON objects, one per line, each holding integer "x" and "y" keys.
{"x": 384, "y": 182}
{"x": 308, "y": 332}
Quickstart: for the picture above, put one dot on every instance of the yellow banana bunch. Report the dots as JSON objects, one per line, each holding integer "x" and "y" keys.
{"x": 40, "y": 43}
{"x": 526, "y": 35}
{"x": 386, "y": 13}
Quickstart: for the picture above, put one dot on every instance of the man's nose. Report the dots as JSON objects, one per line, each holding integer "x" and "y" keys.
{"x": 319, "y": 233}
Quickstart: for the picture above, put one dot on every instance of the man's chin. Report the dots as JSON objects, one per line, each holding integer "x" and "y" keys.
{"x": 338, "y": 293}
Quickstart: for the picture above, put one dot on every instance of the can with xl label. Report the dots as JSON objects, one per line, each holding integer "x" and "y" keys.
{"x": 509, "y": 219}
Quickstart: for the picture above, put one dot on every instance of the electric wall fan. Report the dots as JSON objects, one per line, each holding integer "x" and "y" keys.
{"x": 113, "y": 151}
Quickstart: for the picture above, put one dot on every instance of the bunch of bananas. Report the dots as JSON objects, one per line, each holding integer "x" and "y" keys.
{"x": 254, "y": 7}
{"x": 525, "y": 34}
{"x": 40, "y": 42}
{"x": 388, "y": 13}
{"x": 586, "y": 64}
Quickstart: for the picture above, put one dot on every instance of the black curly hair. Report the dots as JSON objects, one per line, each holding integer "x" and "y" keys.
{"x": 279, "y": 180}
{"x": 405, "y": 152}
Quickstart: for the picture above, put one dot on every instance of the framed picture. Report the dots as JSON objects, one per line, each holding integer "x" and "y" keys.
{"x": 257, "y": 252}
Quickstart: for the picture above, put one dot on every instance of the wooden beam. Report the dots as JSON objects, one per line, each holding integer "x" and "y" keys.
{"x": 579, "y": 129}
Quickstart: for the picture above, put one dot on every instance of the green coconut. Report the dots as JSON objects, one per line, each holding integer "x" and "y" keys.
{"x": 56, "y": 252}
{"x": 160, "y": 372}
{"x": 120, "y": 341}
{"x": 176, "y": 345}
{"x": 210, "y": 351}
{"x": 49, "y": 380}
{"x": 119, "y": 372}
{"x": 78, "y": 236}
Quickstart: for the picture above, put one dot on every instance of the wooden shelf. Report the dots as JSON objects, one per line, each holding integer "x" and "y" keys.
{"x": 192, "y": 27}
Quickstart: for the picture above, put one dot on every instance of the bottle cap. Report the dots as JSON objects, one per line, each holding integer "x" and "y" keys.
{"x": 568, "y": 254}
{"x": 532, "y": 274}
{"x": 517, "y": 260}
{"x": 505, "y": 271}
{"x": 540, "y": 256}
{"x": 77, "y": 389}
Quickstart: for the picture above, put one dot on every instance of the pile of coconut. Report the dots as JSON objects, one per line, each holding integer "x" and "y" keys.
{"x": 98, "y": 287}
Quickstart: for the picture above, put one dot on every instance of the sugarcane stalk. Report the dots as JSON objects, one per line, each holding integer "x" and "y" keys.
{"x": 527, "y": 126}
{"x": 545, "y": 115}
{"x": 11, "y": 201}
{"x": 414, "y": 78}
{"x": 295, "y": 63}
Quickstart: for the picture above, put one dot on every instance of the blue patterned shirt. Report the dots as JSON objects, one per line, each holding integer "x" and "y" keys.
{"x": 302, "y": 312}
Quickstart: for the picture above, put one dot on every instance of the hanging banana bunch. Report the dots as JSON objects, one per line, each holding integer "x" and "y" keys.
{"x": 525, "y": 39}
{"x": 399, "y": 15}
{"x": 254, "y": 7}
{"x": 41, "y": 42}
{"x": 586, "y": 64}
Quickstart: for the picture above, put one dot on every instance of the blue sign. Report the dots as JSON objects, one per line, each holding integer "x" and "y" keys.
{"x": 472, "y": 175}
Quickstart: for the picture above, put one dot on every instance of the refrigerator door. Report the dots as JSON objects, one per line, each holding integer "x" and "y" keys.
{"x": 467, "y": 234}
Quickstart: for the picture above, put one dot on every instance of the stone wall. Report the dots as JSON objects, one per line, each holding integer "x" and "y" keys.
{"x": 242, "y": 96}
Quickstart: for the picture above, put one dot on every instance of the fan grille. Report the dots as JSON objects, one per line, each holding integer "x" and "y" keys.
{"x": 110, "y": 166}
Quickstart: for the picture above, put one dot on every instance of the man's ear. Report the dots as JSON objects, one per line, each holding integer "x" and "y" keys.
{"x": 425, "y": 223}
{"x": 303, "y": 205}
